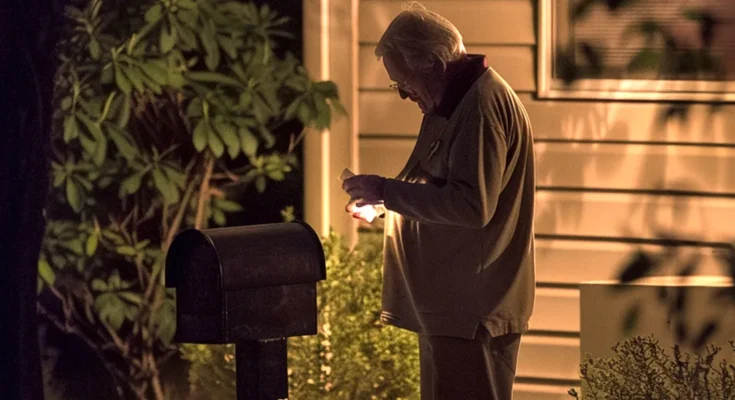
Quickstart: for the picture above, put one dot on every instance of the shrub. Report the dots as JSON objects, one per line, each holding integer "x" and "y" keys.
{"x": 642, "y": 370}
{"x": 352, "y": 357}
{"x": 162, "y": 110}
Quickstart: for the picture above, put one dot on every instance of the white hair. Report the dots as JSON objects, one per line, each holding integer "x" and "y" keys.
{"x": 423, "y": 38}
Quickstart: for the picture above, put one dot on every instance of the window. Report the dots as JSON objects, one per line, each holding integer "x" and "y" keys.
{"x": 670, "y": 59}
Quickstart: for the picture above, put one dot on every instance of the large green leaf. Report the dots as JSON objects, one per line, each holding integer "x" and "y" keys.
{"x": 124, "y": 144}
{"x": 213, "y": 77}
{"x": 230, "y": 45}
{"x": 92, "y": 127}
{"x": 187, "y": 17}
{"x": 201, "y": 135}
{"x": 260, "y": 183}
{"x": 323, "y": 113}
{"x": 219, "y": 218}
{"x": 45, "y": 272}
{"x": 327, "y": 88}
{"x": 126, "y": 250}
{"x": 73, "y": 195}
{"x": 187, "y": 36}
{"x": 90, "y": 247}
{"x": 155, "y": 72}
{"x": 123, "y": 116}
{"x": 163, "y": 322}
{"x": 194, "y": 108}
{"x": 216, "y": 144}
{"x": 132, "y": 297}
{"x": 248, "y": 141}
{"x": 228, "y": 205}
{"x": 228, "y": 134}
{"x": 277, "y": 175}
{"x": 122, "y": 82}
{"x": 292, "y": 109}
{"x": 98, "y": 285}
{"x": 94, "y": 48}
{"x": 176, "y": 176}
{"x": 135, "y": 76}
{"x": 100, "y": 151}
{"x": 154, "y": 13}
{"x": 71, "y": 128}
{"x": 167, "y": 38}
{"x": 167, "y": 188}
{"x": 131, "y": 184}
{"x": 88, "y": 144}
{"x": 111, "y": 309}
{"x": 208, "y": 36}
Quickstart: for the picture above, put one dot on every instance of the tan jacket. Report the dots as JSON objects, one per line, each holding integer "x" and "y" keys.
{"x": 459, "y": 248}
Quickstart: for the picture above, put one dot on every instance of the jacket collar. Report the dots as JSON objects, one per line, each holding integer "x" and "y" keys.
{"x": 461, "y": 75}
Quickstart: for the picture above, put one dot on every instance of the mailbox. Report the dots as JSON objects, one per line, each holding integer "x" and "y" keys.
{"x": 252, "y": 286}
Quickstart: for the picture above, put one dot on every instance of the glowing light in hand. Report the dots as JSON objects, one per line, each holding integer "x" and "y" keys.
{"x": 366, "y": 212}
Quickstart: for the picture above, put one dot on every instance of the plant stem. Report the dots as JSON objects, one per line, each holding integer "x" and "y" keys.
{"x": 176, "y": 223}
{"x": 204, "y": 192}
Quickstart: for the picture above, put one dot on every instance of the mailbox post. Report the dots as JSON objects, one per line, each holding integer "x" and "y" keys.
{"x": 253, "y": 286}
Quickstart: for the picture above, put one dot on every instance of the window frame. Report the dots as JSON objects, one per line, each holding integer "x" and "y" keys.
{"x": 550, "y": 87}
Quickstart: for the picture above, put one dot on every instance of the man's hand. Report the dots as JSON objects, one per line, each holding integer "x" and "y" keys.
{"x": 366, "y": 196}
{"x": 365, "y": 212}
{"x": 368, "y": 188}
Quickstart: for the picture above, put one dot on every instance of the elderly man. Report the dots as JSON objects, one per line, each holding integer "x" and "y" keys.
{"x": 459, "y": 247}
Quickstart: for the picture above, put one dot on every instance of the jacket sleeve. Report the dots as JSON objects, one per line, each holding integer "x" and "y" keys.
{"x": 477, "y": 161}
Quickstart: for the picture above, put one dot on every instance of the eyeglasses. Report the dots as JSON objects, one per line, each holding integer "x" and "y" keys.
{"x": 403, "y": 90}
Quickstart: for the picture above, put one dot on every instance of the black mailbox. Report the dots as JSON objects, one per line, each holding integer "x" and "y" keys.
{"x": 252, "y": 286}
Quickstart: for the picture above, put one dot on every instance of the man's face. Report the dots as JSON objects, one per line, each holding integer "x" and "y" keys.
{"x": 416, "y": 87}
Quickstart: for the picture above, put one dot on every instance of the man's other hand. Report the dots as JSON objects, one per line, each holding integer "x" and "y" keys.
{"x": 369, "y": 188}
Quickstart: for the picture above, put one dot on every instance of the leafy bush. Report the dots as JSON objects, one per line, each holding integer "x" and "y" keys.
{"x": 352, "y": 357}
{"x": 161, "y": 108}
{"x": 642, "y": 370}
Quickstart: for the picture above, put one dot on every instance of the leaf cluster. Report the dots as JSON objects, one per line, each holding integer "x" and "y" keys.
{"x": 161, "y": 109}
{"x": 642, "y": 370}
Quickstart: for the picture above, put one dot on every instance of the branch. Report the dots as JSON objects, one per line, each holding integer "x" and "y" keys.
{"x": 141, "y": 270}
{"x": 176, "y": 223}
{"x": 66, "y": 328}
{"x": 152, "y": 284}
{"x": 226, "y": 173}
{"x": 295, "y": 141}
{"x": 164, "y": 219}
{"x": 177, "y": 98}
{"x": 150, "y": 213}
{"x": 204, "y": 192}
{"x": 216, "y": 193}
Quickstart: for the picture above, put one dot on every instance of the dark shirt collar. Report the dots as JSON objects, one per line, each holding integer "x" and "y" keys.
{"x": 461, "y": 75}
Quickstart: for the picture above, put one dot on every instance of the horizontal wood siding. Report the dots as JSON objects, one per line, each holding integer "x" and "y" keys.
{"x": 530, "y": 391}
{"x": 548, "y": 357}
{"x": 568, "y": 262}
{"x": 514, "y": 63}
{"x": 556, "y": 310}
{"x": 606, "y": 171}
{"x": 480, "y": 21}
{"x": 632, "y": 215}
{"x": 384, "y": 113}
